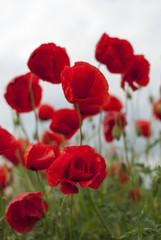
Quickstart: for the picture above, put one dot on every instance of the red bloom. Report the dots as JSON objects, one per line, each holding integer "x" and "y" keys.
{"x": 115, "y": 53}
{"x": 138, "y": 74}
{"x": 45, "y": 112}
{"x": 157, "y": 109}
{"x": 65, "y": 121}
{"x": 112, "y": 104}
{"x": 123, "y": 177}
{"x": 18, "y": 93}
{"x": 86, "y": 85}
{"x": 78, "y": 164}
{"x": 113, "y": 124}
{"x": 40, "y": 156}
{"x": 5, "y": 175}
{"x": 10, "y": 147}
{"x": 47, "y": 62}
{"x": 143, "y": 128}
{"x": 134, "y": 195}
{"x": 52, "y": 138}
{"x": 24, "y": 210}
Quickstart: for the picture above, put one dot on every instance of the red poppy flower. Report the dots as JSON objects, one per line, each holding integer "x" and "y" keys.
{"x": 18, "y": 93}
{"x": 123, "y": 177}
{"x": 143, "y": 128}
{"x": 5, "y": 176}
{"x": 134, "y": 195}
{"x": 78, "y": 164}
{"x": 52, "y": 138}
{"x": 65, "y": 121}
{"x": 138, "y": 74}
{"x": 112, "y": 104}
{"x": 113, "y": 125}
{"x": 45, "y": 112}
{"x": 24, "y": 210}
{"x": 40, "y": 156}
{"x": 115, "y": 53}
{"x": 157, "y": 109}
{"x": 47, "y": 62}
{"x": 10, "y": 147}
{"x": 85, "y": 85}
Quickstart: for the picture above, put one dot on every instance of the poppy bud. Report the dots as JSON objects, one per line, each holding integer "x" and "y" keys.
{"x": 116, "y": 132}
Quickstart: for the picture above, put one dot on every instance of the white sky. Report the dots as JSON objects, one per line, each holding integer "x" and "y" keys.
{"x": 77, "y": 26}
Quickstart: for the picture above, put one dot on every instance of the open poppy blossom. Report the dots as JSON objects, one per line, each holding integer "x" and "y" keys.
{"x": 115, "y": 53}
{"x": 157, "y": 109}
{"x": 45, "y": 112}
{"x": 66, "y": 122}
{"x": 10, "y": 147}
{"x": 134, "y": 195}
{"x": 5, "y": 176}
{"x": 143, "y": 128}
{"x": 52, "y": 138}
{"x": 138, "y": 74}
{"x": 77, "y": 164}
{"x": 24, "y": 210}
{"x": 40, "y": 156}
{"x": 112, "y": 104}
{"x": 47, "y": 62}
{"x": 113, "y": 125}
{"x": 85, "y": 85}
{"x": 18, "y": 94}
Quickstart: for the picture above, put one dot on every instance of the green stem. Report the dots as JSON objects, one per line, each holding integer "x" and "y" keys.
{"x": 22, "y": 127}
{"x": 71, "y": 212}
{"x": 80, "y": 123}
{"x": 99, "y": 132}
{"x": 33, "y": 105}
{"x": 99, "y": 216}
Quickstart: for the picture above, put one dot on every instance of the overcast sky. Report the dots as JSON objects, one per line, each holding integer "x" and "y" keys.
{"x": 77, "y": 26}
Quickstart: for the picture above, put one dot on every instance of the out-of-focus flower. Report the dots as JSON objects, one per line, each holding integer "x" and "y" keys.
{"x": 52, "y": 138}
{"x": 157, "y": 109}
{"x": 24, "y": 210}
{"x": 138, "y": 74}
{"x": 115, "y": 53}
{"x": 112, "y": 104}
{"x": 5, "y": 176}
{"x": 45, "y": 112}
{"x": 134, "y": 195}
{"x": 143, "y": 128}
{"x": 18, "y": 94}
{"x": 47, "y": 62}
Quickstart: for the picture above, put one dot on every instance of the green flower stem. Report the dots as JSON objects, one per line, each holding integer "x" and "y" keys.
{"x": 99, "y": 216}
{"x": 71, "y": 212}
{"x": 80, "y": 122}
{"x": 22, "y": 126}
{"x": 99, "y": 132}
{"x": 33, "y": 106}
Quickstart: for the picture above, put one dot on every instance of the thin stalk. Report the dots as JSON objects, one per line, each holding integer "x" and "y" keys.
{"x": 99, "y": 216}
{"x": 71, "y": 213}
{"x": 99, "y": 132}
{"x": 22, "y": 127}
{"x": 33, "y": 106}
{"x": 80, "y": 123}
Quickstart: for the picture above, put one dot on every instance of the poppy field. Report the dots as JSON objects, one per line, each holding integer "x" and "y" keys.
{"x": 80, "y": 176}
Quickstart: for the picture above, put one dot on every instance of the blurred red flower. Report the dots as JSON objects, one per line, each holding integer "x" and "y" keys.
{"x": 134, "y": 195}
{"x": 113, "y": 125}
{"x": 45, "y": 112}
{"x": 40, "y": 156}
{"x": 157, "y": 109}
{"x": 115, "y": 53}
{"x": 52, "y": 138}
{"x": 65, "y": 121}
{"x": 138, "y": 74}
{"x": 18, "y": 93}
{"x": 24, "y": 210}
{"x": 47, "y": 62}
{"x": 85, "y": 85}
{"x": 143, "y": 128}
{"x": 10, "y": 147}
{"x": 77, "y": 164}
{"x": 112, "y": 104}
{"x": 5, "y": 176}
